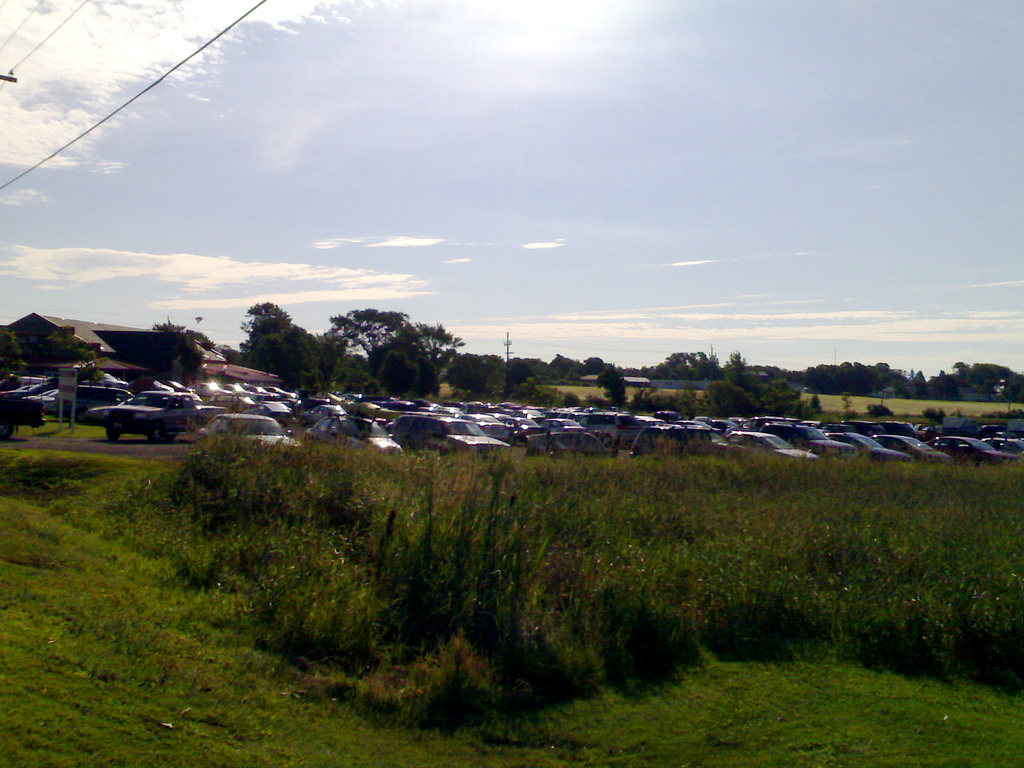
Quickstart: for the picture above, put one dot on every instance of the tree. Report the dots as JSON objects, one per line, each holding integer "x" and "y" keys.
{"x": 290, "y": 353}
{"x": 613, "y": 384}
{"x": 476, "y": 374}
{"x": 201, "y": 338}
{"x": 263, "y": 320}
{"x": 398, "y": 373}
{"x": 371, "y": 330}
{"x": 10, "y": 353}
{"x": 727, "y": 399}
{"x": 62, "y": 345}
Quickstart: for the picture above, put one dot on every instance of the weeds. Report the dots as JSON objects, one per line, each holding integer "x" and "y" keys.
{"x": 448, "y": 587}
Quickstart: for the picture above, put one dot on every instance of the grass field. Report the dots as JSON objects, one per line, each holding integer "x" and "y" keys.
{"x": 322, "y": 608}
{"x": 833, "y": 404}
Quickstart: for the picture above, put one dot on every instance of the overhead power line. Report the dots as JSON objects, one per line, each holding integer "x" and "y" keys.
{"x": 23, "y": 22}
{"x": 137, "y": 96}
{"x": 47, "y": 38}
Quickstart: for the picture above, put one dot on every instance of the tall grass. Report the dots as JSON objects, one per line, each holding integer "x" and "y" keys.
{"x": 443, "y": 587}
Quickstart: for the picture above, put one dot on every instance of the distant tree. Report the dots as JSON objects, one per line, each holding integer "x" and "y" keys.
{"x": 519, "y": 371}
{"x": 276, "y": 345}
{"x": 780, "y": 399}
{"x": 370, "y": 330}
{"x": 727, "y": 399}
{"x": 476, "y": 374}
{"x": 263, "y": 320}
{"x": 201, "y": 338}
{"x": 614, "y": 385}
{"x": 290, "y": 353}
{"x": 62, "y": 345}
{"x": 592, "y": 366}
{"x": 943, "y": 387}
{"x": 533, "y": 392}
{"x": 10, "y": 352}
{"x": 376, "y": 333}
{"x": 398, "y": 373}
{"x": 564, "y": 369}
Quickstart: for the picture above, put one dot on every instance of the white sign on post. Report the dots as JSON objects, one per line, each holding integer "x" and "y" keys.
{"x": 67, "y": 388}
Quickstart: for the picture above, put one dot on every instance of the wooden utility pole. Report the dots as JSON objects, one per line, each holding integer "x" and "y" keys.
{"x": 9, "y": 78}
{"x": 508, "y": 364}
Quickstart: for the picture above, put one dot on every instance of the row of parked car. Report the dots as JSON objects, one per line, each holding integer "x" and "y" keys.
{"x": 276, "y": 415}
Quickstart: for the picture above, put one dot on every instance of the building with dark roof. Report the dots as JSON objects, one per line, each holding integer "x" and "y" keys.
{"x": 125, "y": 352}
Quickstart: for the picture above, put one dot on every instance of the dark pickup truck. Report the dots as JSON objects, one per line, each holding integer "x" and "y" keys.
{"x": 19, "y": 413}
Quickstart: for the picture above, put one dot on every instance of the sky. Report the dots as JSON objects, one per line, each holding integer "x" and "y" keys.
{"x": 802, "y": 182}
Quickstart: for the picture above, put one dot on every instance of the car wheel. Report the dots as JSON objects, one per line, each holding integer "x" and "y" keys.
{"x": 6, "y": 430}
{"x": 113, "y": 434}
{"x": 157, "y": 433}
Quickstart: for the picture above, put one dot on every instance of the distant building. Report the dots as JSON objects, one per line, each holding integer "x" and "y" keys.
{"x": 127, "y": 353}
{"x": 631, "y": 381}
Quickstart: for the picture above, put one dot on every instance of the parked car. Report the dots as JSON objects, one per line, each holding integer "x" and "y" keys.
{"x": 321, "y": 411}
{"x": 158, "y": 415}
{"x": 1007, "y": 445}
{"x": 809, "y": 439}
{"x": 766, "y": 443}
{"x": 353, "y": 431}
{"x": 898, "y": 428}
{"x": 578, "y": 442}
{"x": 88, "y": 396}
{"x": 443, "y": 433}
{"x": 868, "y": 447}
{"x": 492, "y": 425}
{"x": 914, "y": 448}
{"x": 276, "y": 410}
{"x": 234, "y": 402}
{"x": 616, "y": 430}
{"x": 252, "y": 426}
{"x": 867, "y": 428}
{"x": 970, "y": 450}
{"x": 678, "y": 438}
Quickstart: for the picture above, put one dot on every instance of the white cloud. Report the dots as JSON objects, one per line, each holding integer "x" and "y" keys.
{"x": 334, "y": 242}
{"x": 24, "y": 197}
{"x": 557, "y": 243}
{"x": 458, "y": 261}
{"x": 692, "y": 263}
{"x": 195, "y": 273}
{"x": 1006, "y": 284}
{"x": 379, "y": 293}
{"x": 406, "y": 242}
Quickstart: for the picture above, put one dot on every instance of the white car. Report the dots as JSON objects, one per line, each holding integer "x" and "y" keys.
{"x": 248, "y": 425}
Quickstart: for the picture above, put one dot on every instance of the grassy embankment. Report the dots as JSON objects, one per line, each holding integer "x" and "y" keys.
{"x": 282, "y": 608}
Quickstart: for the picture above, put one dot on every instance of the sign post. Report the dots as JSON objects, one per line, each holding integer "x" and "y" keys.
{"x": 67, "y": 390}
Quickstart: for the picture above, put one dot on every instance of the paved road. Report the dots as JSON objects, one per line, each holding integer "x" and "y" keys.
{"x": 133, "y": 447}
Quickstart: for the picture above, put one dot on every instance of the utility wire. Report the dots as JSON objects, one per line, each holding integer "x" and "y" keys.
{"x": 46, "y": 39}
{"x": 134, "y": 98}
{"x": 23, "y": 22}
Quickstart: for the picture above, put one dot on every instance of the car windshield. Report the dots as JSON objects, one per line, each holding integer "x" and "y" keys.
{"x": 774, "y": 441}
{"x": 813, "y": 433}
